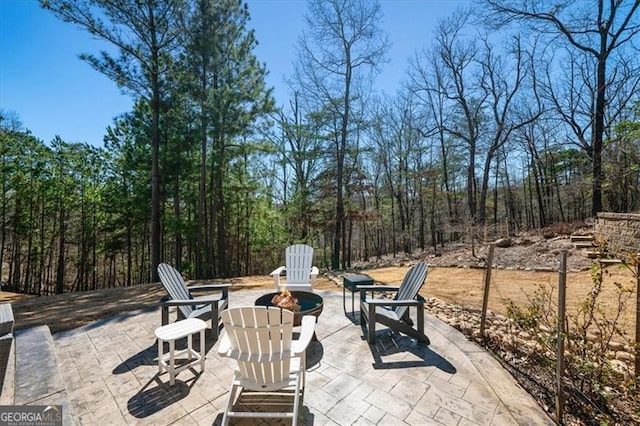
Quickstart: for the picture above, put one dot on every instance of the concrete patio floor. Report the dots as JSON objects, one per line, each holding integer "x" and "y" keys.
{"x": 110, "y": 375}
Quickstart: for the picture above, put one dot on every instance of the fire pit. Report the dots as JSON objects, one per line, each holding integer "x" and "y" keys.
{"x": 310, "y": 304}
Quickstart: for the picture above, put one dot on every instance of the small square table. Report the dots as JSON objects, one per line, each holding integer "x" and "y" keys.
{"x": 351, "y": 282}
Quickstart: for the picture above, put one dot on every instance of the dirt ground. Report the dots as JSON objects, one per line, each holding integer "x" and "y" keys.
{"x": 461, "y": 286}
{"x": 464, "y": 287}
{"x": 529, "y": 263}
{"x": 454, "y": 277}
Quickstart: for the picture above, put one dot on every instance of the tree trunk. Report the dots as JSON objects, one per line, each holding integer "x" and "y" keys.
{"x": 221, "y": 227}
{"x": 471, "y": 201}
{"x": 177, "y": 212}
{"x": 596, "y": 201}
{"x": 155, "y": 172}
{"x": 484, "y": 188}
{"x": 60, "y": 270}
{"x": 340, "y": 232}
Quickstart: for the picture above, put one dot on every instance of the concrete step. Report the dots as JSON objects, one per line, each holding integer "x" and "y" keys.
{"x": 7, "y": 348}
{"x": 590, "y": 254}
{"x": 577, "y": 238}
{"x": 37, "y": 376}
{"x": 611, "y": 261}
{"x": 7, "y": 356}
{"x": 583, "y": 244}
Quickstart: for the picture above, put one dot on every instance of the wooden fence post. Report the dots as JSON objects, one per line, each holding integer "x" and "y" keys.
{"x": 485, "y": 294}
{"x": 562, "y": 291}
{"x": 636, "y": 364}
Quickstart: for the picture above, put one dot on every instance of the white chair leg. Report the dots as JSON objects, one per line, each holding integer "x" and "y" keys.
{"x": 232, "y": 397}
{"x": 296, "y": 402}
{"x": 303, "y": 363}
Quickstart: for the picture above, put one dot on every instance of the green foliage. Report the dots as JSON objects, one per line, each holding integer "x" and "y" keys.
{"x": 527, "y": 318}
{"x": 144, "y": 34}
{"x": 349, "y": 173}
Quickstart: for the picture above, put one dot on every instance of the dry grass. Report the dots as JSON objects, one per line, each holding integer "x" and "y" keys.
{"x": 464, "y": 287}
{"x": 461, "y": 286}
{"x": 71, "y": 310}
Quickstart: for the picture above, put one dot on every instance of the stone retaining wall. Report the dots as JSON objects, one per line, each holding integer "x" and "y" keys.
{"x": 621, "y": 231}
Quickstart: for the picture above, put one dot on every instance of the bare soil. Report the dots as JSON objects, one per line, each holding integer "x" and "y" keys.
{"x": 71, "y": 310}
{"x": 531, "y": 263}
{"x": 455, "y": 277}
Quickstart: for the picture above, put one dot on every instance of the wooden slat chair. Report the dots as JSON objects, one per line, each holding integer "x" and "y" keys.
{"x": 300, "y": 273}
{"x": 188, "y": 306}
{"x": 270, "y": 364}
{"x": 395, "y": 313}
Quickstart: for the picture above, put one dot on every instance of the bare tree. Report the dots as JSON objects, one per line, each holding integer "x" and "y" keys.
{"x": 339, "y": 50}
{"x": 10, "y": 121}
{"x": 399, "y": 152}
{"x": 597, "y": 32}
{"x": 426, "y": 79}
{"x": 459, "y": 60}
{"x": 502, "y": 82}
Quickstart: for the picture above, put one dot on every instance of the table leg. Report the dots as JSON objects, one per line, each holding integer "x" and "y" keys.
{"x": 160, "y": 355}
{"x": 353, "y": 309}
{"x": 172, "y": 362}
{"x": 201, "y": 350}
{"x": 344, "y": 295}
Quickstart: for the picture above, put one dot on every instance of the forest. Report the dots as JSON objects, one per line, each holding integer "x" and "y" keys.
{"x": 518, "y": 115}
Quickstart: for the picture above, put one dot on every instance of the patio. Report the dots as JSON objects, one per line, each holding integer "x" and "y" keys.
{"x": 110, "y": 375}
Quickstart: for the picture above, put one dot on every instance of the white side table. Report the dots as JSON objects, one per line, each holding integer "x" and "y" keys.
{"x": 172, "y": 332}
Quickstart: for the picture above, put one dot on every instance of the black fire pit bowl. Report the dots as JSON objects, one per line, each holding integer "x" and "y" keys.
{"x": 310, "y": 304}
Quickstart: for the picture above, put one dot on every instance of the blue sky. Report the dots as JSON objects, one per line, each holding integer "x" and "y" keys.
{"x": 55, "y": 93}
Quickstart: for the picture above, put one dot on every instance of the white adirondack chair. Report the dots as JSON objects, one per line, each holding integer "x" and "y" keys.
{"x": 300, "y": 272}
{"x": 270, "y": 364}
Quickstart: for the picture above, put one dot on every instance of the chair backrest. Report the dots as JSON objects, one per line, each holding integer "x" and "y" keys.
{"x": 175, "y": 286}
{"x": 299, "y": 260}
{"x": 411, "y": 285}
{"x": 260, "y": 339}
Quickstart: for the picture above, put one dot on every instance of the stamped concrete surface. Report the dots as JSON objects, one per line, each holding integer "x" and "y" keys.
{"x": 110, "y": 373}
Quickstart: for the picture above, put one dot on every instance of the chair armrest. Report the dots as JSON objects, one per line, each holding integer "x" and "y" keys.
{"x": 224, "y": 288}
{"x": 306, "y": 333}
{"x": 186, "y": 302}
{"x": 373, "y": 289}
{"x": 388, "y": 302}
{"x": 276, "y": 276}
{"x": 225, "y": 345}
{"x": 314, "y": 274}
{"x": 279, "y": 270}
{"x": 210, "y": 287}
{"x": 377, "y": 288}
